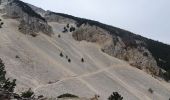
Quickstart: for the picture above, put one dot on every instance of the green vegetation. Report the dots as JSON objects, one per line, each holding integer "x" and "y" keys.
{"x": 161, "y": 53}
{"x": 68, "y": 26}
{"x": 126, "y": 58}
{"x": 150, "y": 90}
{"x": 67, "y": 95}
{"x": 33, "y": 34}
{"x": 82, "y": 59}
{"x": 115, "y": 96}
{"x": 61, "y": 54}
{"x": 27, "y": 94}
{"x": 6, "y": 84}
{"x": 66, "y": 57}
{"x": 59, "y": 36}
{"x": 69, "y": 60}
{"x": 72, "y": 29}
{"x": 65, "y": 30}
{"x": 1, "y": 23}
{"x": 166, "y": 75}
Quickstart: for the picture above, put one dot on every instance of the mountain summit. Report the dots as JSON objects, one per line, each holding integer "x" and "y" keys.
{"x": 54, "y": 53}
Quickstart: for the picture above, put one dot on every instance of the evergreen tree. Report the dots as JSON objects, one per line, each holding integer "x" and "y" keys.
{"x": 6, "y": 84}
{"x": 115, "y": 96}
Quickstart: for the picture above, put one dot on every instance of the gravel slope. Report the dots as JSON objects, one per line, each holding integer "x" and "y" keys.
{"x": 40, "y": 67}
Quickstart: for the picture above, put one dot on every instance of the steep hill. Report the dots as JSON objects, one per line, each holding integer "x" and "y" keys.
{"x": 59, "y": 54}
{"x": 152, "y": 50}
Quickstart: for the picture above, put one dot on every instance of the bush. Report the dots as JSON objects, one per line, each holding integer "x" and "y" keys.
{"x": 145, "y": 54}
{"x": 69, "y": 60}
{"x": 65, "y": 30}
{"x": 33, "y": 34}
{"x": 166, "y": 75}
{"x": 2, "y": 23}
{"x": 27, "y": 94}
{"x": 82, "y": 59}
{"x": 115, "y": 96}
{"x": 2, "y": 73}
{"x": 150, "y": 90}
{"x": 67, "y": 25}
{"x": 126, "y": 58}
{"x": 59, "y": 36}
{"x": 66, "y": 57}
{"x": 72, "y": 29}
{"x": 17, "y": 57}
{"x": 67, "y": 95}
{"x": 61, "y": 54}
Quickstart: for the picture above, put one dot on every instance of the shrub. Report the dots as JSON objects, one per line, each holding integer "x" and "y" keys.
{"x": 145, "y": 54}
{"x": 2, "y": 73}
{"x": 72, "y": 29}
{"x": 33, "y": 34}
{"x": 126, "y": 58}
{"x": 19, "y": 28}
{"x": 66, "y": 57}
{"x": 69, "y": 60}
{"x": 82, "y": 59}
{"x": 65, "y": 30}
{"x": 40, "y": 96}
{"x": 67, "y": 25}
{"x": 115, "y": 96}
{"x": 59, "y": 36}
{"x": 150, "y": 90}
{"x": 67, "y": 95}
{"x": 61, "y": 54}
{"x": 166, "y": 75}
{"x": 2, "y": 23}
{"x": 17, "y": 57}
{"x": 27, "y": 94}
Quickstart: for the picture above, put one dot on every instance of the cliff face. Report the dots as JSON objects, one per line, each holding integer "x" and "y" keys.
{"x": 30, "y": 21}
{"x": 112, "y": 44}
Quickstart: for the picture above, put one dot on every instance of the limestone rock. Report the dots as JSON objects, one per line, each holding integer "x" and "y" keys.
{"x": 30, "y": 21}
{"x": 113, "y": 45}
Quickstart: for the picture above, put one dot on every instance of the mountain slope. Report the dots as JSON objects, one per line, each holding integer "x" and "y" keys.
{"x": 37, "y": 63}
{"x": 150, "y": 49}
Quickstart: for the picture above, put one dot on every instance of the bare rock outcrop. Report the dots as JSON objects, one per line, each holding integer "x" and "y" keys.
{"x": 112, "y": 44}
{"x": 30, "y": 21}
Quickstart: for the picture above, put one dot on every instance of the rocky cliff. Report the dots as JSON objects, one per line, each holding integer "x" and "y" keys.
{"x": 30, "y": 21}
{"x": 127, "y": 49}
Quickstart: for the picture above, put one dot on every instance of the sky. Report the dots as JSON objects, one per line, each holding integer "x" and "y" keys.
{"x": 149, "y": 18}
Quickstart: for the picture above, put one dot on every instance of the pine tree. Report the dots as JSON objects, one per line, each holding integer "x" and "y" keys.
{"x": 2, "y": 73}
{"x": 6, "y": 84}
{"x": 115, "y": 96}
